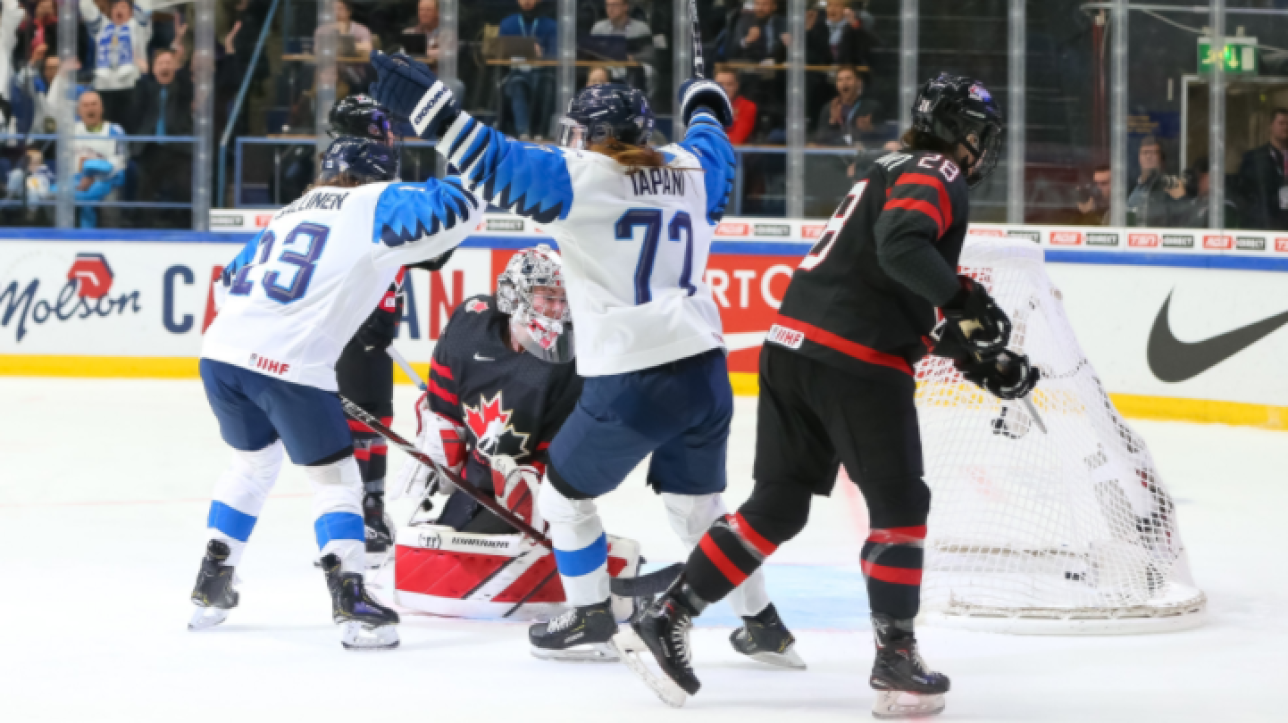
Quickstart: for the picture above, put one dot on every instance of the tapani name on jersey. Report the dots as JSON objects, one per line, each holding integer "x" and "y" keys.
{"x": 321, "y": 201}
{"x": 657, "y": 181}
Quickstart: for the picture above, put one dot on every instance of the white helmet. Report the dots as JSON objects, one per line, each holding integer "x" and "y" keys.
{"x": 548, "y": 338}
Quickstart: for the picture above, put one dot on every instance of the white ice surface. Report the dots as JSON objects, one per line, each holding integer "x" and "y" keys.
{"x": 103, "y": 497}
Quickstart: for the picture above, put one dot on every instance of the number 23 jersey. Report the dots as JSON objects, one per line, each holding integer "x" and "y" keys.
{"x": 298, "y": 292}
{"x": 841, "y": 307}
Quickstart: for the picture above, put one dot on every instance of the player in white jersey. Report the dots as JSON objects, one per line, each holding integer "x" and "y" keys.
{"x": 295, "y": 296}
{"x": 634, "y": 226}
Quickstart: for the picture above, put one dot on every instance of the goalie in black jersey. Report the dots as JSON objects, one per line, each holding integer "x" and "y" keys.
{"x": 837, "y": 387}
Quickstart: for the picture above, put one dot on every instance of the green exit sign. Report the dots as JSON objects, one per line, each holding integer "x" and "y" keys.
{"x": 1239, "y": 56}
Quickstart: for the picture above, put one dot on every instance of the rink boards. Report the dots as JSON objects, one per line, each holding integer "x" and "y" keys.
{"x": 1180, "y": 324}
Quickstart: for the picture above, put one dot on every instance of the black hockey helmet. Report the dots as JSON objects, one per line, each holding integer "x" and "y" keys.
{"x": 364, "y": 159}
{"x": 362, "y": 117}
{"x": 961, "y": 111}
{"x": 608, "y": 110}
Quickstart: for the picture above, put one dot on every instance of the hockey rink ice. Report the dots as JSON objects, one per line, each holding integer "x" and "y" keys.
{"x": 104, "y": 490}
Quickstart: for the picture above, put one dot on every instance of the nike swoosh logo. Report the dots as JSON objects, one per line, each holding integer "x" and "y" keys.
{"x": 1173, "y": 360}
{"x": 482, "y": 358}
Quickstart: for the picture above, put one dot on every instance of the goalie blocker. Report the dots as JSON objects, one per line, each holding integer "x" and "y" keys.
{"x": 441, "y": 571}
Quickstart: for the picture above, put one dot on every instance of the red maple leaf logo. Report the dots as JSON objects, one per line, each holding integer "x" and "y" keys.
{"x": 490, "y": 425}
{"x": 476, "y": 306}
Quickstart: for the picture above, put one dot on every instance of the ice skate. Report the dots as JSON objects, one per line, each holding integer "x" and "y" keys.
{"x": 765, "y": 638}
{"x": 367, "y": 625}
{"x": 379, "y": 531}
{"x": 662, "y": 634}
{"x": 906, "y": 687}
{"x": 579, "y": 634}
{"x": 213, "y": 594}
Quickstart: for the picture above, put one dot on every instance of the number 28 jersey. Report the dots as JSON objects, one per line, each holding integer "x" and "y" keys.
{"x": 298, "y": 292}
{"x": 841, "y": 307}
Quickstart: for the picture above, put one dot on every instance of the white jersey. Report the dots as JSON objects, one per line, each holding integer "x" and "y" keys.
{"x": 634, "y": 244}
{"x": 299, "y": 291}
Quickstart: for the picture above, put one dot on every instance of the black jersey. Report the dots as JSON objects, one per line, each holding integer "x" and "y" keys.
{"x": 842, "y": 306}
{"x": 509, "y": 402}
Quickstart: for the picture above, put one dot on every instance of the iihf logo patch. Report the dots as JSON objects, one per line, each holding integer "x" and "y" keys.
{"x": 476, "y": 306}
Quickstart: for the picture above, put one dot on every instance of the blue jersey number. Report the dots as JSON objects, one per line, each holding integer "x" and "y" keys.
{"x": 651, "y": 221}
{"x": 304, "y": 264}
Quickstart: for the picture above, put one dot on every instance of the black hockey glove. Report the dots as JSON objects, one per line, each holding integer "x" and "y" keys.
{"x": 434, "y": 264}
{"x": 1007, "y": 375}
{"x": 974, "y": 326}
{"x": 377, "y": 332}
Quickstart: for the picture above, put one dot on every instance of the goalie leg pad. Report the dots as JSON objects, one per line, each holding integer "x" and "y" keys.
{"x": 240, "y": 495}
{"x": 581, "y": 547}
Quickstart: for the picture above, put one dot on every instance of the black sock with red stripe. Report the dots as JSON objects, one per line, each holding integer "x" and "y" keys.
{"x": 727, "y": 555}
{"x": 892, "y": 562}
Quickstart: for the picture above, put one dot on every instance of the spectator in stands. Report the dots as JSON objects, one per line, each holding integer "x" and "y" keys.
{"x": 531, "y": 90}
{"x": 759, "y": 36}
{"x": 837, "y": 38}
{"x": 639, "y": 39}
{"x": 1154, "y": 200}
{"x": 40, "y": 93}
{"x": 38, "y": 34}
{"x": 744, "y": 111}
{"x": 1196, "y": 212}
{"x": 11, "y": 16}
{"x": 165, "y": 109}
{"x": 346, "y": 27}
{"x": 1093, "y": 209}
{"x": 598, "y": 76}
{"x": 100, "y": 159}
{"x": 1263, "y": 178}
{"x": 120, "y": 52}
{"x": 427, "y": 25}
{"x": 849, "y": 119}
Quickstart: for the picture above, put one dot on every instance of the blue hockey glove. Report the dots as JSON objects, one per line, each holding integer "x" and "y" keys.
{"x": 411, "y": 90}
{"x": 697, "y": 93}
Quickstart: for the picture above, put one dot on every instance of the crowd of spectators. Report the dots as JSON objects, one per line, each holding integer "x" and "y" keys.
{"x": 1255, "y": 198}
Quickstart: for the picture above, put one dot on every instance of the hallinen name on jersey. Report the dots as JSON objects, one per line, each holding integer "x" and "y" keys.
{"x": 633, "y": 244}
{"x": 298, "y": 292}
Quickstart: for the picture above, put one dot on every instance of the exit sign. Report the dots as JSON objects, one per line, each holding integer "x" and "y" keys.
{"x": 1239, "y": 56}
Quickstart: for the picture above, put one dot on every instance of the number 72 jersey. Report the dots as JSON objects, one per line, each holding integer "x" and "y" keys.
{"x": 841, "y": 307}
{"x": 299, "y": 291}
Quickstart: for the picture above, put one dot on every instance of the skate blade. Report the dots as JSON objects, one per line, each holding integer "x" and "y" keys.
{"x": 892, "y": 704}
{"x": 358, "y": 636}
{"x": 789, "y": 658}
{"x": 637, "y": 657}
{"x": 205, "y": 618}
{"x": 591, "y": 653}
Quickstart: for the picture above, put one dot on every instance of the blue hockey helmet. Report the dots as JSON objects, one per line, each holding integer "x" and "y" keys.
{"x": 363, "y": 159}
{"x": 609, "y": 110}
{"x": 961, "y": 111}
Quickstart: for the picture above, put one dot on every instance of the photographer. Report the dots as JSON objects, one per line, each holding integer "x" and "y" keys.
{"x": 1093, "y": 204}
{"x": 1197, "y": 210}
{"x": 1154, "y": 200}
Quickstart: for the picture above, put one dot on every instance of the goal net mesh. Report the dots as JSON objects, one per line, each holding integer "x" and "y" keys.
{"x": 1064, "y": 531}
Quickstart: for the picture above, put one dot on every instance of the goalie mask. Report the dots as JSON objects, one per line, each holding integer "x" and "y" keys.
{"x": 531, "y": 292}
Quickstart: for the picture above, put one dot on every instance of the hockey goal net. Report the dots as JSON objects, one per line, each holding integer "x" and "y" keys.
{"x": 1070, "y": 530}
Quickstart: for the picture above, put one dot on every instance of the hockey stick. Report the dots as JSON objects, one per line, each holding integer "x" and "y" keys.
{"x": 407, "y": 369}
{"x": 699, "y": 64}
{"x": 361, "y": 415}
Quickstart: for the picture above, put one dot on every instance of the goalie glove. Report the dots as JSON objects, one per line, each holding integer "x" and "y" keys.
{"x": 1007, "y": 375}
{"x": 516, "y": 486}
{"x": 411, "y": 90}
{"x": 443, "y": 441}
{"x": 974, "y": 327}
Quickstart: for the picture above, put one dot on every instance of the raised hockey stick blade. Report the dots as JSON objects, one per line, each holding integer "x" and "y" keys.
{"x": 361, "y": 415}
{"x": 407, "y": 369}
{"x": 699, "y": 64}
{"x": 654, "y": 583}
